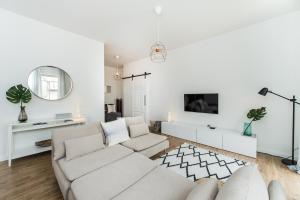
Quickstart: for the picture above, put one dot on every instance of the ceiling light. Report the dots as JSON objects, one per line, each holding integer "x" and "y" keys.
{"x": 158, "y": 52}
{"x": 117, "y": 74}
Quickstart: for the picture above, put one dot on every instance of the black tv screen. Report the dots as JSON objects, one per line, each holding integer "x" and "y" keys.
{"x": 202, "y": 103}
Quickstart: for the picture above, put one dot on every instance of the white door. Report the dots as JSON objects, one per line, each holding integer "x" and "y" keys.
{"x": 139, "y": 97}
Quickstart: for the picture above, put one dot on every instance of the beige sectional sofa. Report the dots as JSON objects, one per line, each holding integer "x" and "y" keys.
{"x": 123, "y": 172}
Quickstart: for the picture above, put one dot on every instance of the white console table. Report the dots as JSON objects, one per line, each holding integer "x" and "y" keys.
{"x": 22, "y": 128}
{"x": 228, "y": 140}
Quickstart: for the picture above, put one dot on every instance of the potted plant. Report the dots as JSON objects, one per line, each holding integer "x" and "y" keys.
{"x": 19, "y": 94}
{"x": 254, "y": 115}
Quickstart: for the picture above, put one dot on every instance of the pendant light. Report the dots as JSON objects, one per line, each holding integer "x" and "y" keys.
{"x": 117, "y": 74}
{"x": 158, "y": 52}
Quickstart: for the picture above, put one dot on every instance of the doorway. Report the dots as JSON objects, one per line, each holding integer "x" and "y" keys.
{"x": 139, "y": 97}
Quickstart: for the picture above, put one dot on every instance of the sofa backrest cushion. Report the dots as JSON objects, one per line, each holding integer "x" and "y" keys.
{"x": 134, "y": 120}
{"x": 138, "y": 130}
{"x": 115, "y": 132}
{"x": 246, "y": 183}
{"x": 59, "y": 136}
{"x": 77, "y": 147}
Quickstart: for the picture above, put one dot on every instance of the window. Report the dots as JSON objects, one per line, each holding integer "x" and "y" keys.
{"x": 49, "y": 87}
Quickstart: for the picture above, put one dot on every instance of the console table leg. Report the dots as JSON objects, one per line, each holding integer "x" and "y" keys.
{"x": 10, "y": 144}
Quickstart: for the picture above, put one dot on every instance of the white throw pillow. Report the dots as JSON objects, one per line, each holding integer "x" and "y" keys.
{"x": 138, "y": 130}
{"x": 245, "y": 183}
{"x": 83, "y": 145}
{"x": 111, "y": 108}
{"x": 115, "y": 132}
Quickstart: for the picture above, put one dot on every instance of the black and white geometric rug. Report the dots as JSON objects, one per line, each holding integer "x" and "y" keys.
{"x": 194, "y": 163}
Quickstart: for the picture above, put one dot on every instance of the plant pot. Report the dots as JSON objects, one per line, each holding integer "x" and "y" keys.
{"x": 22, "y": 116}
{"x": 247, "y": 129}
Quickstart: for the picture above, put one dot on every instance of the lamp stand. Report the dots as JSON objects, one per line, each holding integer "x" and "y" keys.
{"x": 292, "y": 161}
{"x": 286, "y": 161}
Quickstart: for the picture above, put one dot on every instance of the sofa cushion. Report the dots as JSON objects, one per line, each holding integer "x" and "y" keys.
{"x": 107, "y": 182}
{"x": 155, "y": 149}
{"x": 160, "y": 183}
{"x": 206, "y": 190}
{"x": 145, "y": 141}
{"x": 134, "y": 120}
{"x": 80, "y": 146}
{"x": 80, "y": 166}
{"x": 61, "y": 134}
{"x": 138, "y": 129}
{"x": 246, "y": 183}
{"x": 115, "y": 132}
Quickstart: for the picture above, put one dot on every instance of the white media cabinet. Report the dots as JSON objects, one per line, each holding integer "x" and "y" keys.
{"x": 228, "y": 140}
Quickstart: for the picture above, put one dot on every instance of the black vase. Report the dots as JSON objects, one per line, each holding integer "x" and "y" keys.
{"x": 22, "y": 116}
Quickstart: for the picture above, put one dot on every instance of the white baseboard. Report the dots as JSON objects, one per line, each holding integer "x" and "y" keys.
{"x": 275, "y": 153}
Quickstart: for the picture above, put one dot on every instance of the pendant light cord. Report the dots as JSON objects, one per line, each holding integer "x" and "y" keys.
{"x": 158, "y": 28}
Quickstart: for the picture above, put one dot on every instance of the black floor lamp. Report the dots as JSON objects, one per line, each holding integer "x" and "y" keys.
{"x": 286, "y": 161}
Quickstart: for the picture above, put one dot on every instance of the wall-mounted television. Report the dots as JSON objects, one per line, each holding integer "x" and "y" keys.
{"x": 202, "y": 103}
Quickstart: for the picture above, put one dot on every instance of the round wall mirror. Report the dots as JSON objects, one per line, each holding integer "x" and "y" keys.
{"x": 50, "y": 83}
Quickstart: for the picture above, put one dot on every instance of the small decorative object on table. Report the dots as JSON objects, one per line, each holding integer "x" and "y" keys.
{"x": 19, "y": 94}
{"x": 39, "y": 123}
{"x": 43, "y": 143}
{"x": 254, "y": 115}
{"x": 63, "y": 116}
{"x": 211, "y": 127}
{"x": 155, "y": 126}
{"x": 169, "y": 116}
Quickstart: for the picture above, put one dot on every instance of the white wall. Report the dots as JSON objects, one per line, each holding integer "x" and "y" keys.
{"x": 26, "y": 44}
{"x": 116, "y": 85}
{"x": 236, "y": 65}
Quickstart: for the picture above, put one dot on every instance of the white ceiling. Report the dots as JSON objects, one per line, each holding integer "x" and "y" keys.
{"x": 127, "y": 27}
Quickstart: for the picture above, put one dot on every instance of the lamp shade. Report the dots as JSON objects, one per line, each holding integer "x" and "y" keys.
{"x": 158, "y": 53}
{"x": 263, "y": 91}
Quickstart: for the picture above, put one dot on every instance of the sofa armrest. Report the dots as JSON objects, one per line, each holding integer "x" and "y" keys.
{"x": 276, "y": 191}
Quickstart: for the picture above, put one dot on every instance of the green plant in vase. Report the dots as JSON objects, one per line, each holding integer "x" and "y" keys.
{"x": 19, "y": 94}
{"x": 254, "y": 115}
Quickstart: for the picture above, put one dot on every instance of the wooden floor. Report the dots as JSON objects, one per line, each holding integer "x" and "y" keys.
{"x": 32, "y": 178}
{"x": 29, "y": 178}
